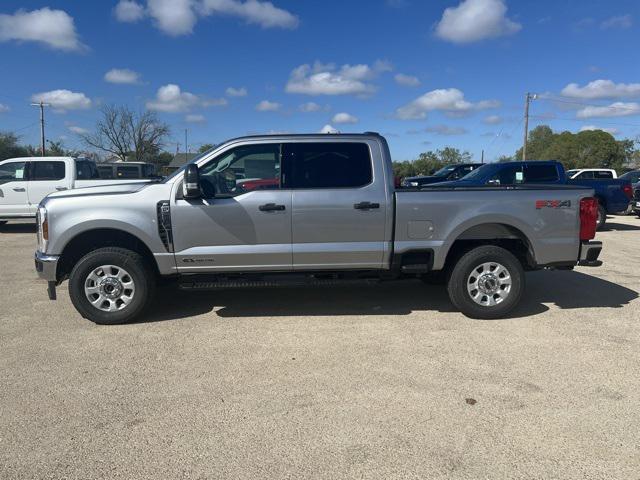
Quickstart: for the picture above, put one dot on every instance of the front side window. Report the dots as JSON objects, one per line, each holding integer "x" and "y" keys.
{"x": 242, "y": 169}
{"x": 327, "y": 165}
{"x": 47, "y": 170}
{"x": 603, "y": 174}
{"x": 10, "y": 172}
{"x": 507, "y": 176}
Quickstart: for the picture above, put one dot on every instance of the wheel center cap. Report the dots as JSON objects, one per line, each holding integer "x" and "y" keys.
{"x": 488, "y": 283}
{"x": 111, "y": 287}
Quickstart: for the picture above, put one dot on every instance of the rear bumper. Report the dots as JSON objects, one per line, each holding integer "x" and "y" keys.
{"x": 589, "y": 253}
{"x": 46, "y": 266}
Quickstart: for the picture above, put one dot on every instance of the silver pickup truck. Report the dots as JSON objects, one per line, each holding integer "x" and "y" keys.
{"x": 314, "y": 209}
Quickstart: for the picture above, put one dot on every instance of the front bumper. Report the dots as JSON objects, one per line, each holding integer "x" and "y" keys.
{"x": 46, "y": 266}
{"x": 589, "y": 253}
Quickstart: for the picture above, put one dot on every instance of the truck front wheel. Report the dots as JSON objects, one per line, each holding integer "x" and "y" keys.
{"x": 111, "y": 285}
{"x": 486, "y": 282}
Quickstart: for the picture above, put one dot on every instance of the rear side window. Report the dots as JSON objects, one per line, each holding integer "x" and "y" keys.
{"x": 541, "y": 174}
{"x": 10, "y": 172}
{"x": 48, "y": 170}
{"x": 327, "y": 165}
{"x": 127, "y": 171}
{"x": 602, "y": 174}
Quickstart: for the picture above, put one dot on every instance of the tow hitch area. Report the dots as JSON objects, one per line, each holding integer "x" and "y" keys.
{"x": 51, "y": 290}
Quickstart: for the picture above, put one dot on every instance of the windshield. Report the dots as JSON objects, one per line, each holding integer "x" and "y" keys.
{"x": 480, "y": 172}
{"x": 444, "y": 171}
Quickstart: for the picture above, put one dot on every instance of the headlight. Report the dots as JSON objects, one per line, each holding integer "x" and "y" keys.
{"x": 43, "y": 229}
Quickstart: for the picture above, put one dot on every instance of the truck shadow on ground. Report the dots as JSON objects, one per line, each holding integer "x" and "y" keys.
{"x": 565, "y": 289}
{"x": 619, "y": 227}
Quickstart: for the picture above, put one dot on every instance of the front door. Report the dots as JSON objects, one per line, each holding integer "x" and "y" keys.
{"x": 243, "y": 221}
{"x": 13, "y": 190}
{"x": 339, "y": 208}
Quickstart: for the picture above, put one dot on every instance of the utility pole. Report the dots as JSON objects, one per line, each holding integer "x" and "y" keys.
{"x": 527, "y": 100}
{"x": 482, "y": 157}
{"x": 41, "y": 104}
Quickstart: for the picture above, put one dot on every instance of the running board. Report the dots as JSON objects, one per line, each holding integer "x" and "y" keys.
{"x": 282, "y": 282}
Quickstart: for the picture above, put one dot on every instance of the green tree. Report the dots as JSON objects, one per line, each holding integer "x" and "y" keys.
{"x": 9, "y": 147}
{"x": 205, "y": 146}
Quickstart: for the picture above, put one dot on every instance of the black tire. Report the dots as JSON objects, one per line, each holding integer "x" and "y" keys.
{"x": 139, "y": 270}
{"x": 602, "y": 217}
{"x": 472, "y": 260}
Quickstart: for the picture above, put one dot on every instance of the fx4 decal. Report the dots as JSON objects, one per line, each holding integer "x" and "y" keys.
{"x": 552, "y": 204}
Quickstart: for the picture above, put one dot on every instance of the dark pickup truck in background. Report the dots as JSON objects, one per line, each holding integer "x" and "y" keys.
{"x": 613, "y": 194}
{"x": 445, "y": 174}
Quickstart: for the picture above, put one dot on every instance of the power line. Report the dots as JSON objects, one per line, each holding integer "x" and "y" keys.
{"x": 582, "y": 104}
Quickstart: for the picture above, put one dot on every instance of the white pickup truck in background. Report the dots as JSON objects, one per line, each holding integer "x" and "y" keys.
{"x": 24, "y": 182}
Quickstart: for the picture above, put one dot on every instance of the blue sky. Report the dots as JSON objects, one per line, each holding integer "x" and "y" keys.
{"x": 425, "y": 73}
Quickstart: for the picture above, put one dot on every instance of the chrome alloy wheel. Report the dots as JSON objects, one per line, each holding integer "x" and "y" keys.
{"x": 109, "y": 288}
{"x": 489, "y": 284}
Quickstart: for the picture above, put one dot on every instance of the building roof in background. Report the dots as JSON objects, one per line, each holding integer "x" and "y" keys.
{"x": 179, "y": 159}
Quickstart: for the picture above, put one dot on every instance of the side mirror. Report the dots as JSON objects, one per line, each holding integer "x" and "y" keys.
{"x": 191, "y": 183}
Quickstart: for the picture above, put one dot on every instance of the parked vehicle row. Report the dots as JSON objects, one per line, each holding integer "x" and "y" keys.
{"x": 314, "y": 209}
{"x": 24, "y": 182}
{"x": 613, "y": 194}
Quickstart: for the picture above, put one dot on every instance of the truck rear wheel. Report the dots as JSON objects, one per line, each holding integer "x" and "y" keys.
{"x": 111, "y": 285}
{"x": 486, "y": 282}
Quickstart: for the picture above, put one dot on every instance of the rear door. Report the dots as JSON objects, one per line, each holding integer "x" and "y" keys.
{"x": 45, "y": 177}
{"x": 339, "y": 206}
{"x": 13, "y": 189}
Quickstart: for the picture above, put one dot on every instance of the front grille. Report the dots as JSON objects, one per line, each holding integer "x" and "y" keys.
{"x": 636, "y": 194}
{"x": 164, "y": 224}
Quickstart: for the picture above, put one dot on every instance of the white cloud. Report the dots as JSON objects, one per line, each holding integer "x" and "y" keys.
{"x": 327, "y": 79}
{"x": 62, "y": 100}
{"x": 449, "y": 100}
{"x": 173, "y": 17}
{"x": 4, "y": 108}
{"x": 264, "y": 14}
{"x": 170, "y": 98}
{"x": 616, "y": 109}
{"x": 406, "y": 80}
{"x": 328, "y": 129}
{"x": 492, "y": 119}
{"x": 236, "y": 92}
{"x": 78, "y": 130}
{"x": 612, "y": 131}
{"x": 601, "y": 89}
{"x": 446, "y": 130}
{"x": 344, "y": 117}
{"x": 129, "y": 11}
{"x": 195, "y": 118}
{"x": 122, "y": 76}
{"x": 620, "y": 21}
{"x": 310, "y": 107}
{"x": 475, "y": 20}
{"x": 54, "y": 28}
{"x": 267, "y": 106}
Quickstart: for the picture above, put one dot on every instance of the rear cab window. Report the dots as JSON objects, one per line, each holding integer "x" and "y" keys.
{"x": 313, "y": 165}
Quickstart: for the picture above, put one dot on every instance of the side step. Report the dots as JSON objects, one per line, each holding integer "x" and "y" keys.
{"x": 215, "y": 284}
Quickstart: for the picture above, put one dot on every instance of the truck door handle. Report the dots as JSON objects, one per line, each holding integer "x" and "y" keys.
{"x": 271, "y": 207}
{"x": 365, "y": 205}
{"x": 61, "y": 188}
{"x": 19, "y": 189}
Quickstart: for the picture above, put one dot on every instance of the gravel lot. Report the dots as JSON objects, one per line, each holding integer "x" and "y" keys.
{"x": 372, "y": 382}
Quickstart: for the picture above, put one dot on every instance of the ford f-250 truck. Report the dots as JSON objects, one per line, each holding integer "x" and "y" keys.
{"x": 328, "y": 214}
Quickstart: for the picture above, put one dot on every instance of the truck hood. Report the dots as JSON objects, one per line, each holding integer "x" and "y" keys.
{"x": 118, "y": 189}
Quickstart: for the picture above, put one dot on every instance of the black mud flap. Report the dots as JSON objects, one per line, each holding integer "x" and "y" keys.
{"x": 51, "y": 290}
